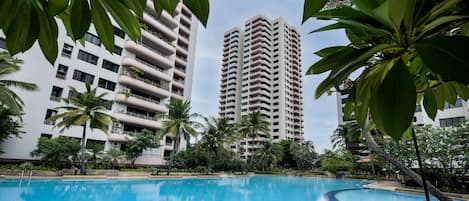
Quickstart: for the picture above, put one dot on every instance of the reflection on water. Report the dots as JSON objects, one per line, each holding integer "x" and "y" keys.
{"x": 223, "y": 189}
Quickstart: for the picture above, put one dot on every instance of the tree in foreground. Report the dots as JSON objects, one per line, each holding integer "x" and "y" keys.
{"x": 114, "y": 157}
{"x": 25, "y": 22}
{"x": 252, "y": 126}
{"x": 8, "y": 98}
{"x": 217, "y": 133}
{"x": 10, "y": 125}
{"x": 84, "y": 109}
{"x": 177, "y": 124}
{"x": 404, "y": 51}
{"x": 59, "y": 152}
{"x": 96, "y": 152}
{"x": 141, "y": 141}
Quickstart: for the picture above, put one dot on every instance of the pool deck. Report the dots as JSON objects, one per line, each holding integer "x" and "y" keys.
{"x": 396, "y": 186}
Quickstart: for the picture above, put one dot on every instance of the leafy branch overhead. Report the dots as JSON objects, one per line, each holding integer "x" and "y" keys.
{"x": 36, "y": 20}
{"x": 404, "y": 51}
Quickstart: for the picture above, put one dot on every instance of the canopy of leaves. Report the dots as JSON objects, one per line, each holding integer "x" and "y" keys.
{"x": 141, "y": 141}
{"x": 8, "y": 98}
{"x": 336, "y": 160}
{"x": 27, "y": 22}
{"x": 402, "y": 50}
{"x": 10, "y": 126}
{"x": 254, "y": 125}
{"x": 59, "y": 152}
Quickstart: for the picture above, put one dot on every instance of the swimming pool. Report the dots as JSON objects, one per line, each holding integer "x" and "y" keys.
{"x": 256, "y": 188}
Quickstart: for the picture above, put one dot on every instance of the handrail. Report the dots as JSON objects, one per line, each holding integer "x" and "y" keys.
{"x": 147, "y": 81}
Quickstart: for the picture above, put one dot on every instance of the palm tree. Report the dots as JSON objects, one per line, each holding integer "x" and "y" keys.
{"x": 217, "y": 133}
{"x": 269, "y": 155}
{"x": 84, "y": 109}
{"x": 254, "y": 125}
{"x": 177, "y": 124}
{"x": 345, "y": 134}
{"x": 8, "y": 98}
{"x": 115, "y": 157}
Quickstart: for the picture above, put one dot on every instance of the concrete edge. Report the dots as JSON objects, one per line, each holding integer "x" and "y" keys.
{"x": 375, "y": 185}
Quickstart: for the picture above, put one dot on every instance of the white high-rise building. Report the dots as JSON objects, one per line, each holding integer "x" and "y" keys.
{"x": 140, "y": 77}
{"x": 451, "y": 115}
{"x": 261, "y": 71}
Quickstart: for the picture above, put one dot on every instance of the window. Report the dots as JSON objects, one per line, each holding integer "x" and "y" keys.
{"x": 67, "y": 50}
{"x": 418, "y": 108}
{"x": 92, "y": 39}
{"x": 457, "y": 104}
{"x": 56, "y": 93}
{"x": 83, "y": 77}
{"x": 275, "y": 123}
{"x": 451, "y": 121}
{"x": 110, "y": 66}
{"x": 276, "y": 137}
{"x": 46, "y": 135}
{"x": 118, "y": 32}
{"x": 90, "y": 58}
{"x": 3, "y": 43}
{"x": 106, "y": 84}
{"x": 50, "y": 113}
{"x": 61, "y": 71}
{"x": 276, "y": 130}
{"x": 117, "y": 50}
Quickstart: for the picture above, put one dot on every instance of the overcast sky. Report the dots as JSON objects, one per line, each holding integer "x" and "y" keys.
{"x": 320, "y": 115}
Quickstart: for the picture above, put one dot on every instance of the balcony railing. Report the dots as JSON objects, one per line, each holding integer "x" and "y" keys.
{"x": 141, "y": 116}
{"x": 155, "y": 33}
{"x": 140, "y": 42}
{"x": 180, "y": 81}
{"x": 140, "y": 97}
{"x": 156, "y": 67}
{"x": 148, "y": 81}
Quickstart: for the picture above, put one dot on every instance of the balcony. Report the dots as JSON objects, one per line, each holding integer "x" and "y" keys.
{"x": 180, "y": 71}
{"x": 157, "y": 39}
{"x": 137, "y": 119}
{"x": 164, "y": 15}
{"x": 149, "y": 86}
{"x": 182, "y": 50}
{"x": 179, "y": 83}
{"x": 148, "y": 68}
{"x": 181, "y": 60}
{"x": 149, "y": 53}
{"x": 168, "y": 32}
{"x": 141, "y": 102}
{"x": 118, "y": 137}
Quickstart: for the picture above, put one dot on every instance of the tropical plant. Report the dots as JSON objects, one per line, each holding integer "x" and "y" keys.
{"x": 178, "y": 124}
{"x": 268, "y": 157}
{"x": 253, "y": 125}
{"x": 96, "y": 151}
{"x": 144, "y": 139}
{"x": 404, "y": 51}
{"x": 345, "y": 134}
{"x": 36, "y": 20}
{"x": 114, "y": 157}
{"x": 8, "y": 98}
{"x": 217, "y": 133}
{"x": 303, "y": 155}
{"x": 336, "y": 160}
{"x": 59, "y": 152}
{"x": 10, "y": 126}
{"x": 84, "y": 109}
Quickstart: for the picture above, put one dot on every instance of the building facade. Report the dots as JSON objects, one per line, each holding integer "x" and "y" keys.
{"x": 140, "y": 77}
{"x": 261, "y": 71}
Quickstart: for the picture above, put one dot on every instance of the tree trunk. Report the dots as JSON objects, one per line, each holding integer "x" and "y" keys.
{"x": 175, "y": 147}
{"x": 209, "y": 165}
{"x": 409, "y": 172}
{"x": 83, "y": 144}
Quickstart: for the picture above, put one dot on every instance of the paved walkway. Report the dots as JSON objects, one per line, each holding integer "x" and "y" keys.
{"x": 396, "y": 186}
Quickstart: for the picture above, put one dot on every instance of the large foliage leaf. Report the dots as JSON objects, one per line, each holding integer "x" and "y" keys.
{"x": 22, "y": 31}
{"x": 429, "y": 103}
{"x": 124, "y": 18}
{"x": 200, "y": 8}
{"x": 395, "y": 101}
{"x": 80, "y": 18}
{"x": 48, "y": 34}
{"x": 447, "y": 56}
{"x": 102, "y": 24}
{"x": 311, "y": 7}
{"x": 57, "y": 6}
{"x": 168, "y": 5}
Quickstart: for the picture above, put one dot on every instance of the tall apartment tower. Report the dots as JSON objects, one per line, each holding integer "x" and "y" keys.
{"x": 261, "y": 71}
{"x": 140, "y": 77}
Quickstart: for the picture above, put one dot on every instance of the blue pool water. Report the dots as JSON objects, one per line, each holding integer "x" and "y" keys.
{"x": 257, "y": 188}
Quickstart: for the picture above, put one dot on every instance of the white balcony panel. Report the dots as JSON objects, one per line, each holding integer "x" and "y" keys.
{"x": 163, "y": 61}
{"x": 151, "y": 70}
{"x": 161, "y": 27}
{"x": 137, "y": 84}
{"x": 137, "y": 121}
{"x": 158, "y": 41}
{"x": 140, "y": 103}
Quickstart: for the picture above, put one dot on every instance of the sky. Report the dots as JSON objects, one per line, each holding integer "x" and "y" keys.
{"x": 320, "y": 115}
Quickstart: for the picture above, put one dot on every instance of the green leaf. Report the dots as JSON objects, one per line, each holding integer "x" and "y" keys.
{"x": 462, "y": 90}
{"x": 362, "y": 100}
{"x": 381, "y": 13}
{"x": 447, "y": 56}
{"x": 200, "y": 8}
{"x": 344, "y": 13}
{"x": 7, "y": 6}
{"x": 126, "y": 20}
{"x": 135, "y": 5}
{"x": 48, "y": 34}
{"x": 311, "y": 7}
{"x": 339, "y": 58}
{"x": 168, "y": 5}
{"x": 324, "y": 86}
{"x": 328, "y": 51}
{"x": 441, "y": 21}
{"x": 329, "y": 27}
{"x": 399, "y": 11}
{"x": 80, "y": 18}
{"x": 429, "y": 103}
{"x": 23, "y": 30}
{"x": 366, "y": 6}
{"x": 102, "y": 24}
{"x": 56, "y": 6}
{"x": 395, "y": 101}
